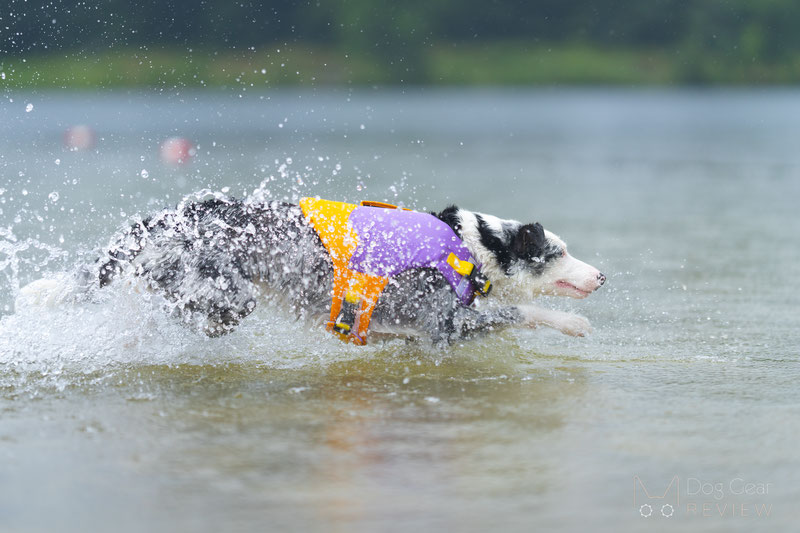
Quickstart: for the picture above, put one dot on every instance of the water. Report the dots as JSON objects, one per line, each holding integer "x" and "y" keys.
{"x": 114, "y": 417}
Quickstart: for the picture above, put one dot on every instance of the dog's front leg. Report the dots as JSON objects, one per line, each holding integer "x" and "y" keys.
{"x": 467, "y": 322}
{"x": 568, "y": 323}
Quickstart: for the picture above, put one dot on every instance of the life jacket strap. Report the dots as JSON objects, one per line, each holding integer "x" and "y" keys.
{"x": 353, "y": 300}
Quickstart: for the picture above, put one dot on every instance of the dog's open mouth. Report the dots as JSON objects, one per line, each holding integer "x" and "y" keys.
{"x": 567, "y": 285}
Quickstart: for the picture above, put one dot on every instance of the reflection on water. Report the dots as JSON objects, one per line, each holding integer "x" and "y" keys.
{"x": 112, "y": 416}
{"x": 358, "y": 442}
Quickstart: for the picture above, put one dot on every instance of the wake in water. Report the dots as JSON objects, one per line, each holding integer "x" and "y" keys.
{"x": 124, "y": 328}
{"x": 126, "y": 324}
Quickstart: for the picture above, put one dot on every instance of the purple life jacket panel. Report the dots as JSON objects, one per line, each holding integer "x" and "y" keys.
{"x": 391, "y": 241}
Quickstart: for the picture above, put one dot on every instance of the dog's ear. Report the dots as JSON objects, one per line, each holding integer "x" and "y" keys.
{"x": 530, "y": 241}
{"x": 450, "y": 217}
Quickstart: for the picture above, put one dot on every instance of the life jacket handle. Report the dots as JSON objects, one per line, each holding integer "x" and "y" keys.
{"x": 373, "y": 203}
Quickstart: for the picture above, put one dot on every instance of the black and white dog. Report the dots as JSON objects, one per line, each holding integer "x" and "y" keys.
{"x": 216, "y": 259}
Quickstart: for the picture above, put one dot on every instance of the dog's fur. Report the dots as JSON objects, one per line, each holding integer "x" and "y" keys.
{"x": 216, "y": 259}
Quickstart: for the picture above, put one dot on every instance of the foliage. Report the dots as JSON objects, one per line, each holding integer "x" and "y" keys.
{"x": 216, "y": 42}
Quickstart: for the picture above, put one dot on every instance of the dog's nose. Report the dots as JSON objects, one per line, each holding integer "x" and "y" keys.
{"x": 601, "y": 278}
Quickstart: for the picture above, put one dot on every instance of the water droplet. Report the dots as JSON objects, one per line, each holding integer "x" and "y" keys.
{"x": 53, "y": 196}
{"x": 58, "y": 161}
{"x": 144, "y": 173}
{"x": 29, "y": 108}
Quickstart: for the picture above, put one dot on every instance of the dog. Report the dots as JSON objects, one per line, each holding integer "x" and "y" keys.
{"x": 215, "y": 260}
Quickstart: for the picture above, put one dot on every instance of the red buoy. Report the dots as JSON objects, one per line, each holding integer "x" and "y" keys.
{"x": 79, "y": 137}
{"x": 177, "y": 151}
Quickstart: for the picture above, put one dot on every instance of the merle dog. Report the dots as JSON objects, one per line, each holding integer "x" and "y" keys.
{"x": 216, "y": 259}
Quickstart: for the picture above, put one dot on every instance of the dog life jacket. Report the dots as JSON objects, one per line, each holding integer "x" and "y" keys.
{"x": 373, "y": 241}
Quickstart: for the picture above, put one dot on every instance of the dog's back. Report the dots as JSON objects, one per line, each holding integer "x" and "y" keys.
{"x": 212, "y": 258}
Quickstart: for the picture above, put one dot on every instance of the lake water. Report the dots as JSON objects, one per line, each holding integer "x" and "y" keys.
{"x": 112, "y": 417}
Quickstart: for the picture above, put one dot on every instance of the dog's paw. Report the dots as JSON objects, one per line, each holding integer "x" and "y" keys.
{"x": 566, "y": 323}
{"x": 574, "y": 325}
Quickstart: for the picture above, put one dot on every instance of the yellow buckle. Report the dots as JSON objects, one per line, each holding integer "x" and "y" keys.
{"x": 351, "y": 297}
{"x": 348, "y": 315}
{"x": 487, "y": 288}
{"x": 462, "y": 267}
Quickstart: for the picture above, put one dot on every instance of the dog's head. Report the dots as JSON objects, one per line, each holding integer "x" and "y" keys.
{"x": 522, "y": 260}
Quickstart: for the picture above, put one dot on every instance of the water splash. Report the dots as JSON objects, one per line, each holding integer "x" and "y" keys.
{"x": 66, "y": 335}
{"x": 61, "y": 343}
{"x": 19, "y": 256}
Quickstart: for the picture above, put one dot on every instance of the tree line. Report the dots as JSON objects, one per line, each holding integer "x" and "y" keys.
{"x": 400, "y": 33}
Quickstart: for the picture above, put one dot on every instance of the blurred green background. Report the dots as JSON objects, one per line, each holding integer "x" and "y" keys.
{"x": 162, "y": 43}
